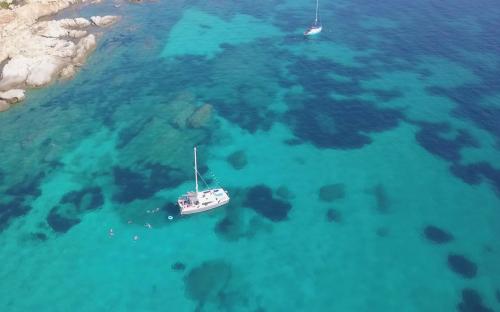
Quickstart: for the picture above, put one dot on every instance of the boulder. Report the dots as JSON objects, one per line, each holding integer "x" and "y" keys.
{"x": 86, "y": 45}
{"x": 15, "y": 72}
{"x": 74, "y": 33}
{"x": 68, "y": 72}
{"x": 12, "y": 96}
{"x": 43, "y": 71}
{"x": 78, "y": 22}
{"x": 4, "y": 105}
{"x": 103, "y": 21}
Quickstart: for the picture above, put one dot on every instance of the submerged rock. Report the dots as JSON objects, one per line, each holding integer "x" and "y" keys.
{"x": 333, "y": 215}
{"x": 472, "y": 302}
{"x": 60, "y": 223}
{"x": 437, "y": 235}
{"x": 260, "y": 198}
{"x": 237, "y": 159}
{"x": 462, "y": 266}
{"x": 178, "y": 266}
{"x": 201, "y": 116}
{"x": 208, "y": 280}
{"x": 332, "y": 192}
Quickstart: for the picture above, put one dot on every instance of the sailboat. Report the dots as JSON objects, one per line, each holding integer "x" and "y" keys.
{"x": 316, "y": 27}
{"x": 193, "y": 202}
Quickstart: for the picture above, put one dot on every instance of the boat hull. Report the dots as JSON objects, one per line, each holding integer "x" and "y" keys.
{"x": 313, "y": 31}
{"x": 206, "y": 200}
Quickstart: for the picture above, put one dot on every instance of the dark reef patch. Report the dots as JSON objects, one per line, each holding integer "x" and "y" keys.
{"x": 462, "y": 266}
{"x": 233, "y": 226}
{"x": 72, "y": 206}
{"x": 437, "y": 235}
{"x": 207, "y": 281}
{"x": 497, "y": 295}
{"x": 60, "y": 223}
{"x": 237, "y": 159}
{"x": 89, "y": 198}
{"x": 130, "y": 132}
{"x": 229, "y": 228}
{"x": 342, "y": 124}
{"x": 332, "y": 192}
{"x": 260, "y": 198}
{"x": 145, "y": 183}
{"x": 29, "y": 186}
{"x": 316, "y": 117}
{"x": 473, "y": 173}
{"x": 178, "y": 266}
{"x": 39, "y": 236}
{"x": 11, "y": 210}
{"x": 333, "y": 215}
{"x": 472, "y": 302}
{"x": 429, "y": 137}
{"x": 248, "y": 117}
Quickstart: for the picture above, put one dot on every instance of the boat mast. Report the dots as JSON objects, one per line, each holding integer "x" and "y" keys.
{"x": 195, "y": 171}
{"x": 317, "y": 6}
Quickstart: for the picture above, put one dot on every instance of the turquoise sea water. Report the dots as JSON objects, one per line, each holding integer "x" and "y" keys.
{"x": 362, "y": 164}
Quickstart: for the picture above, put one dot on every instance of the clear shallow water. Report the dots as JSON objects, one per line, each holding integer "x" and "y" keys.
{"x": 351, "y": 144}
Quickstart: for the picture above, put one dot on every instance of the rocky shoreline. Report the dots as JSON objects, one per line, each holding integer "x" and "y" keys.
{"x": 34, "y": 53}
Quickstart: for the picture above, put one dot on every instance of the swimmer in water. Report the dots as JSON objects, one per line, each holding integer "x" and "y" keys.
{"x": 148, "y": 225}
{"x": 111, "y": 233}
{"x": 136, "y": 237}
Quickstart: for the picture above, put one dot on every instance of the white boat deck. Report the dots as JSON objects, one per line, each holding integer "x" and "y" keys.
{"x": 206, "y": 200}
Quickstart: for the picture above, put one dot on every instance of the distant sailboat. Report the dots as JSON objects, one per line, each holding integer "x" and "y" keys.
{"x": 193, "y": 202}
{"x": 316, "y": 27}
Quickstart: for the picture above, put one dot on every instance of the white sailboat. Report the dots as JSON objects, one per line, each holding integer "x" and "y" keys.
{"x": 193, "y": 202}
{"x": 316, "y": 27}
